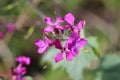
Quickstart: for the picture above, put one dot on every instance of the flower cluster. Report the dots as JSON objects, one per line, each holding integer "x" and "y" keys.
{"x": 60, "y": 31}
{"x": 20, "y": 71}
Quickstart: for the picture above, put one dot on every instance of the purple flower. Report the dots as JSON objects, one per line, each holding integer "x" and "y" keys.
{"x": 1, "y": 35}
{"x": 58, "y": 57}
{"x": 69, "y": 18}
{"x": 74, "y": 43}
{"x": 56, "y": 33}
{"x": 63, "y": 50}
{"x": 79, "y": 26}
{"x": 69, "y": 55}
{"x": 71, "y": 48}
{"x": 58, "y": 44}
{"x": 10, "y": 27}
{"x": 20, "y": 71}
{"x": 53, "y": 25}
{"x": 42, "y": 46}
{"x": 23, "y": 60}
{"x": 50, "y": 42}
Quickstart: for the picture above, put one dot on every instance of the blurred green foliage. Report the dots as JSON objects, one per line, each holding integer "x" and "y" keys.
{"x": 112, "y": 4}
{"x": 108, "y": 69}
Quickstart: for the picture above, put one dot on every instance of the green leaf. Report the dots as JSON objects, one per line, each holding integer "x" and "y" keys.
{"x": 9, "y": 7}
{"x": 109, "y": 68}
{"x": 112, "y": 4}
{"x": 110, "y": 60}
{"x": 57, "y": 74}
{"x": 96, "y": 52}
{"x": 29, "y": 32}
{"x": 93, "y": 43}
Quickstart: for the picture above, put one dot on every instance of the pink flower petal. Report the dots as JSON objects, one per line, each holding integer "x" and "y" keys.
{"x": 80, "y": 24}
{"x": 48, "y": 29}
{"x": 76, "y": 30}
{"x": 23, "y": 70}
{"x": 39, "y": 43}
{"x": 81, "y": 43}
{"x": 58, "y": 57}
{"x": 57, "y": 44}
{"x": 59, "y": 27}
{"x": 42, "y": 46}
{"x": 13, "y": 71}
{"x": 48, "y": 40}
{"x": 67, "y": 26}
{"x": 58, "y": 20}
{"x": 74, "y": 51}
{"x": 69, "y": 56}
{"x": 48, "y": 20}
{"x": 42, "y": 49}
{"x": 70, "y": 18}
{"x": 23, "y": 60}
{"x": 20, "y": 70}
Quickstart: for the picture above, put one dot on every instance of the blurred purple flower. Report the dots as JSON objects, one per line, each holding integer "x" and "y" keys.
{"x": 1, "y": 35}
{"x": 42, "y": 46}
{"x": 23, "y": 60}
{"x": 20, "y": 71}
{"x": 10, "y": 27}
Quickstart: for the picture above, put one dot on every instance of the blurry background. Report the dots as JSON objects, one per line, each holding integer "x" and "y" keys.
{"x": 102, "y": 21}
